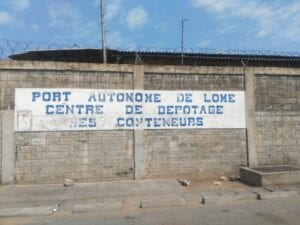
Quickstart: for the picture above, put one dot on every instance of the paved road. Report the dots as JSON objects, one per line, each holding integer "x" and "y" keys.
{"x": 279, "y": 211}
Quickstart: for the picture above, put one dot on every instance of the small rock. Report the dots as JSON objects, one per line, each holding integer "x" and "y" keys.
{"x": 184, "y": 182}
{"x": 223, "y": 178}
{"x": 68, "y": 182}
{"x": 217, "y": 183}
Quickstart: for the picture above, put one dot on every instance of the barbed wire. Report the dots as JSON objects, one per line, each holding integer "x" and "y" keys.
{"x": 12, "y": 47}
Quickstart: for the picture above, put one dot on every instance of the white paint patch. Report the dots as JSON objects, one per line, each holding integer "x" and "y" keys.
{"x": 86, "y": 109}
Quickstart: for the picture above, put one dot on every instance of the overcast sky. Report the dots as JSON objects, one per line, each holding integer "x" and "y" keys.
{"x": 216, "y": 24}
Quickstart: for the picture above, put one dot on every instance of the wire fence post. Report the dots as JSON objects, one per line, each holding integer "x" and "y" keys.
{"x": 182, "y": 39}
{"x": 103, "y": 31}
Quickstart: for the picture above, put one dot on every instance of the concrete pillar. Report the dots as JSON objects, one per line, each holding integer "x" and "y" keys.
{"x": 250, "y": 115}
{"x": 8, "y": 150}
{"x": 138, "y": 136}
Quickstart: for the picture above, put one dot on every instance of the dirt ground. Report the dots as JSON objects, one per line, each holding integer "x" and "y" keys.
{"x": 207, "y": 184}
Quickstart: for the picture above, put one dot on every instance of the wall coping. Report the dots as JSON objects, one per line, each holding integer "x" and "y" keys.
{"x": 73, "y": 66}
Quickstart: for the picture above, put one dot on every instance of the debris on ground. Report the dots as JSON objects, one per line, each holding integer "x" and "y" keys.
{"x": 68, "y": 182}
{"x": 234, "y": 178}
{"x": 223, "y": 178}
{"x": 55, "y": 208}
{"x": 217, "y": 183}
{"x": 184, "y": 182}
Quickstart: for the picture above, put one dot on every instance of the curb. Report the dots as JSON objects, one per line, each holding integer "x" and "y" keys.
{"x": 215, "y": 198}
{"x": 276, "y": 194}
{"x": 29, "y": 211}
{"x": 97, "y": 207}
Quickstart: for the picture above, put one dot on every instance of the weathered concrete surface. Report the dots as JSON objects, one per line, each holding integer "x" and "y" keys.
{"x": 162, "y": 201}
{"x": 276, "y": 211}
{"x": 8, "y": 147}
{"x": 250, "y": 177}
{"x": 225, "y": 197}
{"x": 256, "y": 177}
{"x": 83, "y": 156}
{"x": 139, "y": 154}
{"x": 276, "y": 194}
{"x": 194, "y": 154}
{"x": 84, "y": 197}
{"x": 128, "y": 195}
{"x": 166, "y": 80}
{"x": 34, "y": 211}
{"x": 0, "y": 148}
{"x": 250, "y": 116}
{"x": 139, "y": 151}
{"x": 272, "y": 139}
{"x": 82, "y": 191}
{"x": 98, "y": 207}
{"x": 277, "y": 118}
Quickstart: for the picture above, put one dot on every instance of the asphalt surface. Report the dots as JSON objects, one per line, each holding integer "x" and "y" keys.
{"x": 263, "y": 212}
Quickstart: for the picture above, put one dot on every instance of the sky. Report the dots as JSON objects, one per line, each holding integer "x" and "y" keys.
{"x": 272, "y": 25}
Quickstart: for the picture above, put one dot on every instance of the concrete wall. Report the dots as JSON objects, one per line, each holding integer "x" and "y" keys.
{"x": 194, "y": 154}
{"x": 48, "y": 157}
{"x": 0, "y": 147}
{"x": 272, "y": 134}
{"x": 278, "y": 119}
{"x": 187, "y": 81}
{"x": 44, "y": 78}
